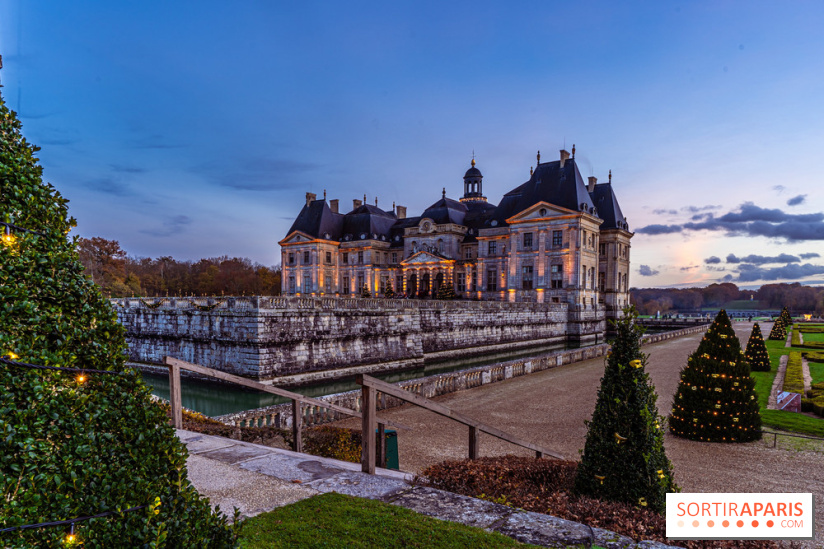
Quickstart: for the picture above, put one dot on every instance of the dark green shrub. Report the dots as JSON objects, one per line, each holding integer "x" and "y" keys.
{"x": 333, "y": 442}
{"x": 624, "y": 458}
{"x": 794, "y": 375}
{"x": 715, "y": 400}
{"x": 72, "y": 448}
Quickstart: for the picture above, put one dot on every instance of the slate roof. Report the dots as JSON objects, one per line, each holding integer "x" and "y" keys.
{"x": 365, "y": 222}
{"x": 549, "y": 183}
{"x": 446, "y": 210}
{"x": 608, "y": 209}
{"x": 317, "y": 220}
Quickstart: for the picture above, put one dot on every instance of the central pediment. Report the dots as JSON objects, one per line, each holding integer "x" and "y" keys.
{"x": 424, "y": 257}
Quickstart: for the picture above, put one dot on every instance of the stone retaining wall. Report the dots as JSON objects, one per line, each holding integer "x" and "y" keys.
{"x": 280, "y": 415}
{"x": 271, "y": 337}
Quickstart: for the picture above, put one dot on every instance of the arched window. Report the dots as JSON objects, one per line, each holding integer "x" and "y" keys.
{"x": 440, "y": 245}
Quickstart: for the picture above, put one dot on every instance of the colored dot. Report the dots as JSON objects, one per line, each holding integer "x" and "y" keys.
{"x": 695, "y": 523}
{"x": 770, "y": 524}
{"x": 740, "y": 523}
{"x": 725, "y": 523}
{"x": 710, "y": 523}
{"x": 680, "y": 524}
{"x": 754, "y": 523}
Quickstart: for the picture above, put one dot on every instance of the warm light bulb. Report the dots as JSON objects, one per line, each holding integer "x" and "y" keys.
{"x": 12, "y": 356}
{"x": 8, "y": 239}
{"x": 81, "y": 378}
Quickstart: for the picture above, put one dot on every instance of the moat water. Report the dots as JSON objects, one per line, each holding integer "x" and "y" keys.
{"x": 214, "y": 399}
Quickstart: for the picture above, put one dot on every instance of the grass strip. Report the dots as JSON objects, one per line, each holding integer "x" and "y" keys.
{"x": 335, "y": 520}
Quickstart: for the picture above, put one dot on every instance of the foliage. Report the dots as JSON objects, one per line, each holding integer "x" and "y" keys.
{"x": 547, "y": 486}
{"x": 336, "y": 520}
{"x": 785, "y": 317}
{"x": 798, "y": 297}
{"x": 118, "y": 275}
{"x": 365, "y": 291}
{"x": 793, "y": 375}
{"x": 68, "y": 447}
{"x": 333, "y": 442}
{"x": 624, "y": 458}
{"x": 388, "y": 292}
{"x": 795, "y": 339}
{"x": 716, "y": 400}
{"x": 446, "y": 291}
{"x": 756, "y": 352}
{"x": 779, "y": 331}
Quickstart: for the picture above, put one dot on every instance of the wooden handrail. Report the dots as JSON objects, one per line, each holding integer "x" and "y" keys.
{"x": 371, "y": 385}
{"x": 175, "y": 365}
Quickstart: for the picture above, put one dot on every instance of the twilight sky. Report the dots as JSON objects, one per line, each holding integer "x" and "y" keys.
{"x": 194, "y": 129}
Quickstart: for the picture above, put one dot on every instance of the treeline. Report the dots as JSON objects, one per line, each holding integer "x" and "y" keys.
{"x": 796, "y": 297}
{"x": 119, "y": 275}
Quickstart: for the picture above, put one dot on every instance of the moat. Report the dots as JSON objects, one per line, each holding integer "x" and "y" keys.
{"x": 214, "y": 399}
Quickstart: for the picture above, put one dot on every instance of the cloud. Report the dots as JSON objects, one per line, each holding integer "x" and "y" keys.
{"x": 171, "y": 226}
{"x": 645, "y": 270}
{"x": 127, "y": 169}
{"x": 796, "y": 200}
{"x": 727, "y": 278}
{"x": 660, "y": 229}
{"x": 763, "y": 260}
{"x": 752, "y": 220}
{"x": 809, "y": 255}
{"x": 712, "y": 260}
{"x": 108, "y": 185}
{"x": 697, "y": 209}
{"x": 779, "y": 188}
{"x": 258, "y": 174}
{"x": 689, "y": 268}
{"x": 717, "y": 269}
{"x": 663, "y": 212}
{"x": 751, "y": 273}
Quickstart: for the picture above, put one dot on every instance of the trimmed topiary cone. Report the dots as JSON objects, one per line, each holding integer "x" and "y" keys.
{"x": 756, "y": 352}
{"x": 715, "y": 400}
{"x": 74, "y": 446}
{"x": 624, "y": 458}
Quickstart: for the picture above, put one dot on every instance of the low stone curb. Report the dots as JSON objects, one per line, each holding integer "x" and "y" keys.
{"x": 215, "y": 462}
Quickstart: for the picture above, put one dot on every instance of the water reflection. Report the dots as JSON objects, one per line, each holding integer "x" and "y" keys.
{"x": 214, "y": 399}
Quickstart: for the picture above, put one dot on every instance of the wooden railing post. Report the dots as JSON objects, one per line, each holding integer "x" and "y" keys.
{"x": 473, "y": 442}
{"x": 174, "y": 394}
{"x": 368, "y": 430}
{"x": 297, "y": 419}
{"x": 381, "y": 445}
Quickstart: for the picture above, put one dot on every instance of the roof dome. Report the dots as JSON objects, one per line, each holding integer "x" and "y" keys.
{"x": 473, "y": 171}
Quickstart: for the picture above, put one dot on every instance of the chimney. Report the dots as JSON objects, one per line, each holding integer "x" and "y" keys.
{"x": 564, "y": 157}
{"x": 401, "y": 212}
{"x": 333, "y": 205}
{"x": 356, "y": 203}
{"x": 592, "y": 182}
{"x": 310, "y": 197}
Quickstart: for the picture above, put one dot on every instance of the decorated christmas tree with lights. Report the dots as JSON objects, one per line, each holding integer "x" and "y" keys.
{"x": 715, "y": 400}
{"x": 756, "y": 352}
{"x": 624, "y": 458}
{"x": 785, "y": 317}
{"x": 779, "y": 330}
{"x": 77, "y": 443}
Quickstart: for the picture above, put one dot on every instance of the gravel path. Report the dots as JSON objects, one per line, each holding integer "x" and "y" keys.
{"x": 550, "y": 407}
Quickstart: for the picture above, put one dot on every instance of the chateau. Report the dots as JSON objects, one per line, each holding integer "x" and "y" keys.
{"x": 553, "y": 239}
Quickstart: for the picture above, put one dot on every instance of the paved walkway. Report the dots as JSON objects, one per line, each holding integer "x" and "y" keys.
{"x": 256, "y": 479}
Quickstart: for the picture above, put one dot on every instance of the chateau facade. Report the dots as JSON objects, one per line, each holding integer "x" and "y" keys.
{"x": 553, "y": 239}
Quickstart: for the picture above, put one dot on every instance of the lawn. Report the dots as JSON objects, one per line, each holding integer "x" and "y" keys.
{"x": 779, "y": 419}
{"x": 334, "y": 520}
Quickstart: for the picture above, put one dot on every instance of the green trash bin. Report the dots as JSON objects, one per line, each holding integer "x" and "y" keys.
{"x": 391, "y": 437}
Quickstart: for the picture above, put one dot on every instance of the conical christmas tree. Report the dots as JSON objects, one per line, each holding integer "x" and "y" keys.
{"x": 779, "y": 330}
{"x": 77, "y": 445}
{"x": 756, "y": 352}
{"x": 716, "y": 401}
{"x": 446, "y": 291}
{"x": 624, "y": 458}
{"x": 785, "y": 317}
